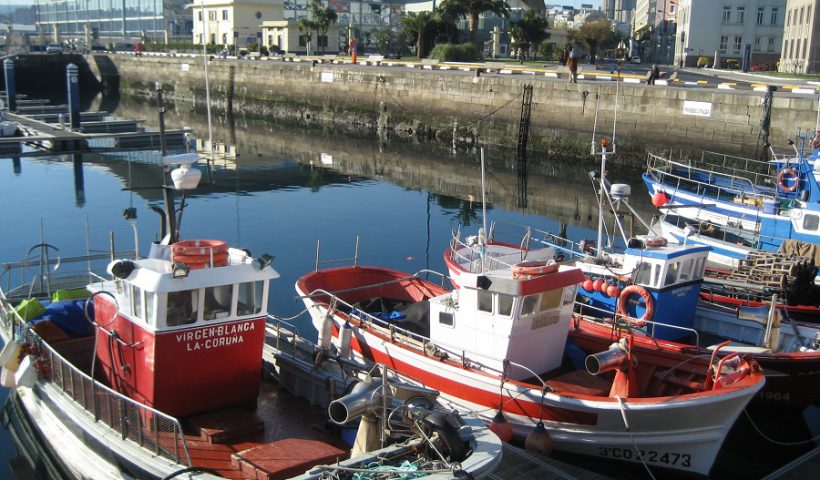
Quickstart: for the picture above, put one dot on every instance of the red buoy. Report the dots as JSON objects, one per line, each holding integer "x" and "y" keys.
{"x": 660, "y": 199}
{"x": 598, "y": 285}
{"x": 613, "y": 290}
{"x": 501, "y": 427}
{"x": 587, "y": 285}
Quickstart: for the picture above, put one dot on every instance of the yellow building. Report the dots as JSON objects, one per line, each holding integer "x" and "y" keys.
{"x": 232, "y": 22}
{"x": 284, "y": 36}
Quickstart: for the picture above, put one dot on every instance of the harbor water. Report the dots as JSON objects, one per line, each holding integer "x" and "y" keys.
{"x": 290, "y": 190}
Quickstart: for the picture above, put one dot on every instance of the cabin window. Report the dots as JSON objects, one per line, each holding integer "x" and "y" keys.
{"x": 250, "y": 298}
{"x": 529, "y": 305}
{"x": 657, "y": 276}
{"x": 811, "y": 222}
{"x": 698, "y": 273}
{"x": 671, "y": 273}
{"x": 505, "y": 304}
{"x": 485, "y": 301}
{"x": 150, "y": 298}
{"x": 569, "y": 295}
{"x": 446, "y": 319}
{"x": 217, "y": 302}
{"x": 136, "y": 302}
{"x": 551, "y": 299}
{"x": 182, "y": 307}
{"x": 686, "y": 270}
{"x": 644, "y": 273}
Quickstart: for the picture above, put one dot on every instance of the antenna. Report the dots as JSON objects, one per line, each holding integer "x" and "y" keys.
{"x": 483, "y": 238}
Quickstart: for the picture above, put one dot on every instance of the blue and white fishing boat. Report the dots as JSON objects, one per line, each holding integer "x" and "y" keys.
{"x": 749, "y": 204}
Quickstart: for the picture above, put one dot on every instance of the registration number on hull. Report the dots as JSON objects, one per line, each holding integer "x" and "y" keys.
{"x": 651, "y": 456}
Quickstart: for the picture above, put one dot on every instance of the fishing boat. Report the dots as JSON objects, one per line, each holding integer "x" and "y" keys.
{"x": 497, "y": 346}
{"x": 754, "y": 204}
{"x": 170, "y": 364}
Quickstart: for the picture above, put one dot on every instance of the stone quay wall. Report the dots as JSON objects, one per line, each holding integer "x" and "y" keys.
{"x": 458, "y": 107}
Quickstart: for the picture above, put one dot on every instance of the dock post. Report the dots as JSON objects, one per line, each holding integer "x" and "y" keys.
{"x": 73, "y": 81}
{"x": 79, "y": 180}
{"x": 11, "y": 90}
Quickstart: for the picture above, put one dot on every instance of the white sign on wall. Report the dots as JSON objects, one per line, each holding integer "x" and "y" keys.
{"x": 327, "y": 77}
{"x": 185, "y": 67}
{"x": 700, "y": 109}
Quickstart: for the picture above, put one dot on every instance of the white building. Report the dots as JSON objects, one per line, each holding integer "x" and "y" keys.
{"x": 729, "y": 29}
{"x": 801, "y": 36}
{"x": 232, "y": 23}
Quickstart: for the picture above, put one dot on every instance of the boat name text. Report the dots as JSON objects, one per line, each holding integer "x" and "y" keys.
{"x": 652, "y": 456}
{"x": 214, "y": 337}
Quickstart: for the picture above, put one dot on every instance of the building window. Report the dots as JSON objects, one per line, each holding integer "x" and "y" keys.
{"x": 760, "y": 15}
{"x": 727, "y": 14}
{"x": 199, "y": 17}
{"x": 224, "y": 38}
{"x": 770, "y": 47}
{"x": 738, "y": 43}
{"x": 788, "y": 17}
{"x": 741, "y": 14}
{"x": 212, "y": 15}
{"x": 724, "y": 43}
{"x": 808, "y": 14}
{"x": 800, "y": 22}
{"x": 224, "y": 14}
{"x": 774, "y": 16}
{"x": 805, "y": 50}
{"x": 757, "y": 44}
{"x": 302, "y": 41}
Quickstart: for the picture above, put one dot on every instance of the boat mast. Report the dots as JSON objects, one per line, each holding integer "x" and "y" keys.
{"x": 207, "y": 87}
{"x": 483, "y": 238}
{"x": 169, "y": 227}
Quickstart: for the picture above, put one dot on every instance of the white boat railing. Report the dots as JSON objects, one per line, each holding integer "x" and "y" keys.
{"x": 620, "y": 321}
{"x": 662, "y": 170}
{"x": 148, "y": 428}
{"x": 400, "y": 335}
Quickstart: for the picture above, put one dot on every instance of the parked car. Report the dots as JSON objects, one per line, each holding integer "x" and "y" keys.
{"x": 635, "y": 59}
{"x": 54, "y": 48}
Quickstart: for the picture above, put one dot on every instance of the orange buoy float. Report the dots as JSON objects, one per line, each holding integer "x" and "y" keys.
{"x": 656, "y": 242}
{"x": 535, "y": 267}
{"x": 649, "y": 304}
{"x": 660, "y": 199}
{"x": 786, "y": 174}
{"x": 613, "y": 290}
{"x": 199, "y": 254}
{"x": 597, "y": 284}
{"x": 588, "y": 285}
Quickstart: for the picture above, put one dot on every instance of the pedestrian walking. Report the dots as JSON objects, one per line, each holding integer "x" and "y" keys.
{"x": 652, "y": 75}
{"x": 564, "y": 56}
{"x": 572, "y": 63}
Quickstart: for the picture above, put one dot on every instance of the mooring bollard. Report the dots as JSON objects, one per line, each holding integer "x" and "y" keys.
{"x": 11, "y": 89}
{"x": 73, "y": 82}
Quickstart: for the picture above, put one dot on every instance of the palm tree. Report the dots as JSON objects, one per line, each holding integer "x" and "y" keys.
{"x": 306, "y": 28}
{"x": 528, "y": 33}
{"x": 472, "y": 9}
{"x": 323, "y": 18}
{"x": 419, "y": 25}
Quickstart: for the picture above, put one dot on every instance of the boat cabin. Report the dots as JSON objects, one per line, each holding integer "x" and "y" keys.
{"x": 183, "y": 338}
{"x": 524, "y": 320}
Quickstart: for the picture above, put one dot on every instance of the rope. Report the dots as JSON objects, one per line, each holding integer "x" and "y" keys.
{"x": 778, "y": 442}
{"x": 632, "y": 437}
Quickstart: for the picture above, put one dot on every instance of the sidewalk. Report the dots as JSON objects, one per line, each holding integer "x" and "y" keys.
{"x": 761, "y": 77}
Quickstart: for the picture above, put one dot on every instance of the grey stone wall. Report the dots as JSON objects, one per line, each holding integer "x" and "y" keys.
{"x": 450, "y": 105}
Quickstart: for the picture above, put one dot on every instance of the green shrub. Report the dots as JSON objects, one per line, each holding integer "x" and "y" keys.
{"x": 448, "y": 52}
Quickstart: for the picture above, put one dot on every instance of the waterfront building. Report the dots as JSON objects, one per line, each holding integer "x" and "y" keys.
{"x": 730, "y": 33}
{"x": 801, "y": 36}
{"x": 654, "y": 24}
{"x": 101, "y": 22}
{"x": 232, "y": 23}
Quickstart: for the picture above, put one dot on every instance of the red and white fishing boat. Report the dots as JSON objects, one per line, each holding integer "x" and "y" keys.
{"x": 171, "y": 365}
{"x": 498, "y": 343}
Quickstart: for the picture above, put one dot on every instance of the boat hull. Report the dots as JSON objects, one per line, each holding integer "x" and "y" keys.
{"x": 677, "y": 433}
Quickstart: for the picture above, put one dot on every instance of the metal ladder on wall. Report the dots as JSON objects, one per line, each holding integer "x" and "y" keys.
{"x": 523, "y": 135}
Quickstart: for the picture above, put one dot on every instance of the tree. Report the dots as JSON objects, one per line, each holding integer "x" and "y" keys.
{"x": 306, "y": 28}
{"x": 323, "y": 18}
{"x": 419, "y": 27}
{"x": 382, "y": 39}
{"x": 472, "y": 9}
{"x": 528, "y": 33}
{"x": 595, "y": 34}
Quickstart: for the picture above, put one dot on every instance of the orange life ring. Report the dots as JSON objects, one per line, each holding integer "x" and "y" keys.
{"x": 782, "y": 176}
{"x": 197, "y": 262}
{"x": 199, "y": 254}
{"x": 199, "y": 247}
{"x": 535, "y": 267}
{"x": 656, "y": 242}
{"x": 647, "y": 300}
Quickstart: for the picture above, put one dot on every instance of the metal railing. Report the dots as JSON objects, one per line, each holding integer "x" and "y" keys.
{"x": 618, "y": 320}
{"x": 669, "y": 173}
{"x": 154, "y": 431}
